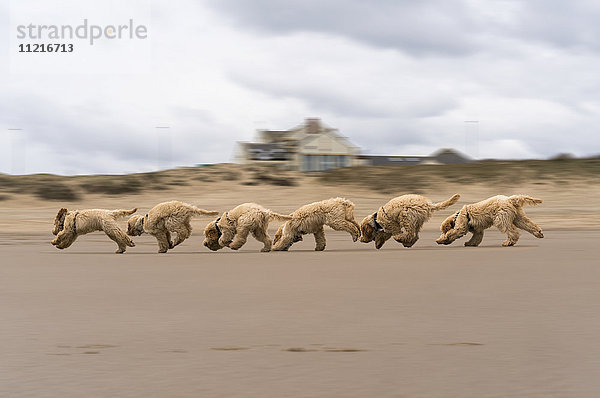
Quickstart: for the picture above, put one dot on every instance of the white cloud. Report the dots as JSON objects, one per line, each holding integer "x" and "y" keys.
{"x": 505, "y": 149}
{"x": 219, "y": 71}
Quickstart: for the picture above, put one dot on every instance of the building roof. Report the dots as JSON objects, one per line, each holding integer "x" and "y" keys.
{"x": 442, "y": 156}
{"x": 449, "y": 156}
{"x": 379, "y": 160}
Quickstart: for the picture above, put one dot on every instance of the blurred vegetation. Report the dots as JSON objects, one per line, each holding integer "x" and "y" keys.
{"x": 43, "y": 186}
{"x": 270, "y": 175}
{"x": 278, "y": 180}
{"x": 111, "y": 185}
{"x": 419, "y": 178}
{"x": 56, "y": 191}
{"x": 560, "y": 171}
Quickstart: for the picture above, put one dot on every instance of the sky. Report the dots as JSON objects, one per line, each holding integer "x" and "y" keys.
{"x": 396, "y": 77}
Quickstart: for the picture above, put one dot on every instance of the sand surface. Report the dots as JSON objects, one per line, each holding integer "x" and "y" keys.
{"x": 429, "y": 321}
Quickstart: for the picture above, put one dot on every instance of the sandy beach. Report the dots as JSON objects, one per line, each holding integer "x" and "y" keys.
{"x": 352, "y": 321}
{"x": 325, "y": 112}
{"x": 428, "y": 321}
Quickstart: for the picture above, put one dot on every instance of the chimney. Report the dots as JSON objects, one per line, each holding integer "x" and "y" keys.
{"x": 313, "y": 125}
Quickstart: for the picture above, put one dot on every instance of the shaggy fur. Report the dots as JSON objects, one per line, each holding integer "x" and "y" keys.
{"x": 402, "y": 218}
{"x": 233, "y": 227}
{"x": 164, "y": 219}
{"x": 68, "y": 225}
{"x": 337, "y": 213}
{"x": 504, "y": 212}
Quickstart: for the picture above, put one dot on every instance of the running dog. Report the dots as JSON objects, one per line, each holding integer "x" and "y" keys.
{"x": 504, "y": 212}
{"x": 402, "y": 217}
{"x": 164, "y": 219}
{"x": 337, "y": 213}
{"x": 233, "y": 227}
{"x": 68, "y": 225}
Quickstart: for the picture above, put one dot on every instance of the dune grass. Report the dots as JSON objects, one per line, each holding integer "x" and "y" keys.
{"x": 419, "y": 178}
{"x": 384, "y": 179}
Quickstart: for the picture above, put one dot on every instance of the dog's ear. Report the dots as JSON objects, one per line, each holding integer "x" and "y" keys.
{"x": 379, "y": 239}
{"x": 61, "y": 213}
{"x": 211, "y": 232}
{"x": 367, "y": 229}
{"x": 59, "y": 221}
{"x": 130, "y": 225}
{"x": 278, "y": 234}
{"x": 447, "y": 224}
{"x": 134, "y": 226}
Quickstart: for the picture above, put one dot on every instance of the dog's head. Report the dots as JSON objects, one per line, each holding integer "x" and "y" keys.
{"x": 370, "y": 232}
{"x": 212, "y": 236}
{"x": 447, "y": 226}
{"x": 63, "y": 229}
{"x": 59, "y": 221}
{"x": 367, "y": 229}
{"x": 135, "y": 225}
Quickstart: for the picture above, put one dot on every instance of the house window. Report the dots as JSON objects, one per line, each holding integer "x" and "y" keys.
{"x": 342, "y": 161}
{"x": 323, "y": 162}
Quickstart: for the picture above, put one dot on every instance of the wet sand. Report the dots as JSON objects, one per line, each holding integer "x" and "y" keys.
{"x": 429, "y": 321}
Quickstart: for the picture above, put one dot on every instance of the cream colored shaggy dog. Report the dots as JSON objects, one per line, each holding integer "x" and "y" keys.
{"x": 504, "y": 212}
{"x": 233, "y": 227}
{"x": 68, "y": 225}
{"x": 402, "y": 218}
{"x": 337, "y": 213}
{"x": 164, "y": 219}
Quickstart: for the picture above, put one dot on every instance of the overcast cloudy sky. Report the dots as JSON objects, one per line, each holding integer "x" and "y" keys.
{"x": 395, "y": 76}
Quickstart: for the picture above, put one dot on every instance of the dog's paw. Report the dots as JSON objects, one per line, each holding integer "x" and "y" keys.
{"x": 319, "y": 248}
{"x": 471, "y": 244}
{"x": 120, "y": 251}
{"x": 507, "y": 243}
{"x": 265, "y": 250}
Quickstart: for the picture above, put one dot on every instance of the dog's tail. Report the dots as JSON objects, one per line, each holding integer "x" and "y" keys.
{"x": 279, "y": 217}
{"x": 202, "y": 212}
{"x": 520, "y": 200}
{"x": 447, "y": 203}
{"x": 122, "y": 213}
